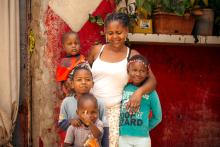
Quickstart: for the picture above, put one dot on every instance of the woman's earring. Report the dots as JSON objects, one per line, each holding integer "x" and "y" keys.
{"x": 106, "y": 39}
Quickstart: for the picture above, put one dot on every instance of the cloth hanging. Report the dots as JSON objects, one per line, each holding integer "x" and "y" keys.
{"x": 9, "y": 68}
{"x": 74, "y": 15}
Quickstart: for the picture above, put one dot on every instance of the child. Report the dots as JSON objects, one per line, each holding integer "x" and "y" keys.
{"x": 71, "y": 45}
{"x": 134, "y": 128}
{"x": 91, "y": 127}
{"x": 82, "y": 82}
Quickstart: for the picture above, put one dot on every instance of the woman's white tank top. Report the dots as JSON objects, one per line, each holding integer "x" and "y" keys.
{"x": 109, "y": 79}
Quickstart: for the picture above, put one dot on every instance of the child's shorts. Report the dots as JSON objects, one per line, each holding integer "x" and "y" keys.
{"x": 133, "y": 141}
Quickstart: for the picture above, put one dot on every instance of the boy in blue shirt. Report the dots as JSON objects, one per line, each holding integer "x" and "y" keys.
{"x": 135, "y": 127}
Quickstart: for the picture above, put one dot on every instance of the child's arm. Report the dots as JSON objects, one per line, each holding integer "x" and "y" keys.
{"x": 148, "y": 86}
{"x": 69, "y": 139}
{"x": 97, "y": 131}
{"x": 75, "y": 122}
{"x": 156, "y": 110}
{"x": 101, "y": 108}
{"x": 63, "y": 122}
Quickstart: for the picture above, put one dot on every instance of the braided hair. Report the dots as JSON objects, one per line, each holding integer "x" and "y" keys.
{"x": 139, "y": 58}
{"x": 81, "y": 66}
{"x": 117, "y": 16}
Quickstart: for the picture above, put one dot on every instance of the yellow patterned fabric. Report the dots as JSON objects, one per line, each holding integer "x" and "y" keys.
{"x": 113, "y": 119}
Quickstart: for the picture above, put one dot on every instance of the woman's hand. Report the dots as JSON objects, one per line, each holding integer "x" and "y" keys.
{"x": 75, "y": 122}
{"x": 133, "y": 105}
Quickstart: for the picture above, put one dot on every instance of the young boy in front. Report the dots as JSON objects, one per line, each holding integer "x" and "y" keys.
{"x": 91, "y": 129}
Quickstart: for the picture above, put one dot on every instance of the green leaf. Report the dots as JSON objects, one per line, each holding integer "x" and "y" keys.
{"x": 148, "y": 7}
{"x": 123, "y": 10}
{"x": 206, "y": 2}
{"x": 180, "y": 10}
{"x": 99, "y": 20}
{"x": 139, "y": 3}
{"x": 117, "y": 1}
{"x": 92, "y": 19}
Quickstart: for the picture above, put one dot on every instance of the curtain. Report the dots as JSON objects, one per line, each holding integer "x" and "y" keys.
{"x": 9, "y": 68}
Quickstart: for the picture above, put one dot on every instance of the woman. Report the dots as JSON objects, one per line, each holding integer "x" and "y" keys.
{"x": 109, "y": 68}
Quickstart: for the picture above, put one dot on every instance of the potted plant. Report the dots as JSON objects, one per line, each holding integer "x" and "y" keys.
{"x": 173, "y": 17}
{"x": 139, "y": 12}
{"x": 206, "y": 21}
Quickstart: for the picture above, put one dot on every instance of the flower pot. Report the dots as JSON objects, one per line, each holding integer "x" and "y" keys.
{"x": 169, "y": 23}
{"x": 205, "y": 22}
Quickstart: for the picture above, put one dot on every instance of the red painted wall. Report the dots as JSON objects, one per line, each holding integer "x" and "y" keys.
{"x": 189, "y": 89}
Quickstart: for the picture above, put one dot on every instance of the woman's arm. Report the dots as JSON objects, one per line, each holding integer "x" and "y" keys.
{"x": 93, "y": 53}
{"x": 148, "y": 86}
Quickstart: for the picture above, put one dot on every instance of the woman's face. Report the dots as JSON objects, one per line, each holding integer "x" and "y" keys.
{"x": 116, "y": 33}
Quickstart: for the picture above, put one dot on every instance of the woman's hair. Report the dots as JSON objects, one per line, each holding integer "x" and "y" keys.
{"x": 138, "y": 58}
{"x": 86, "y": 97}
{"x": 81, "y": 66}
{"x": 65, "y": 35}
{"x": 117, "y": 16}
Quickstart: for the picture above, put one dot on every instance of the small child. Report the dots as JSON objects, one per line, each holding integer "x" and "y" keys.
{"x": 134, "y": 128}
{"x": 90, "y": 131}
{"x": 71, "y": 45}
{"x": 82, "y": 82}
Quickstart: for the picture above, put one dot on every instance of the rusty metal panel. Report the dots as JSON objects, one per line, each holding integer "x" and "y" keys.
{"x": 22, "y": 132}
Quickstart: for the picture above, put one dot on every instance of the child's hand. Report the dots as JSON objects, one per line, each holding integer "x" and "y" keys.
{"x": 75, "y": 122}
{"x": 133, "y": 105}
{"x": 85, "y": 118}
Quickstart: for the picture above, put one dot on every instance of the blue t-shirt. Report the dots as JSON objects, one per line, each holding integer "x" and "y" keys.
{"x": 139, "y": 124}
{"x": 68, "y": 111}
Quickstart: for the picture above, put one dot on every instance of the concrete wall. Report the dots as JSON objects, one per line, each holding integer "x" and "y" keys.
{"x": 43, "y": 84}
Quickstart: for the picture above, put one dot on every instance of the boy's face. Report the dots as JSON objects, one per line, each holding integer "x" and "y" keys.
{"x": 137, "y": 72}
{"x": 71, "y": 44}
{"x": 82, "y": 82}
{"x": 88, "y": 110}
